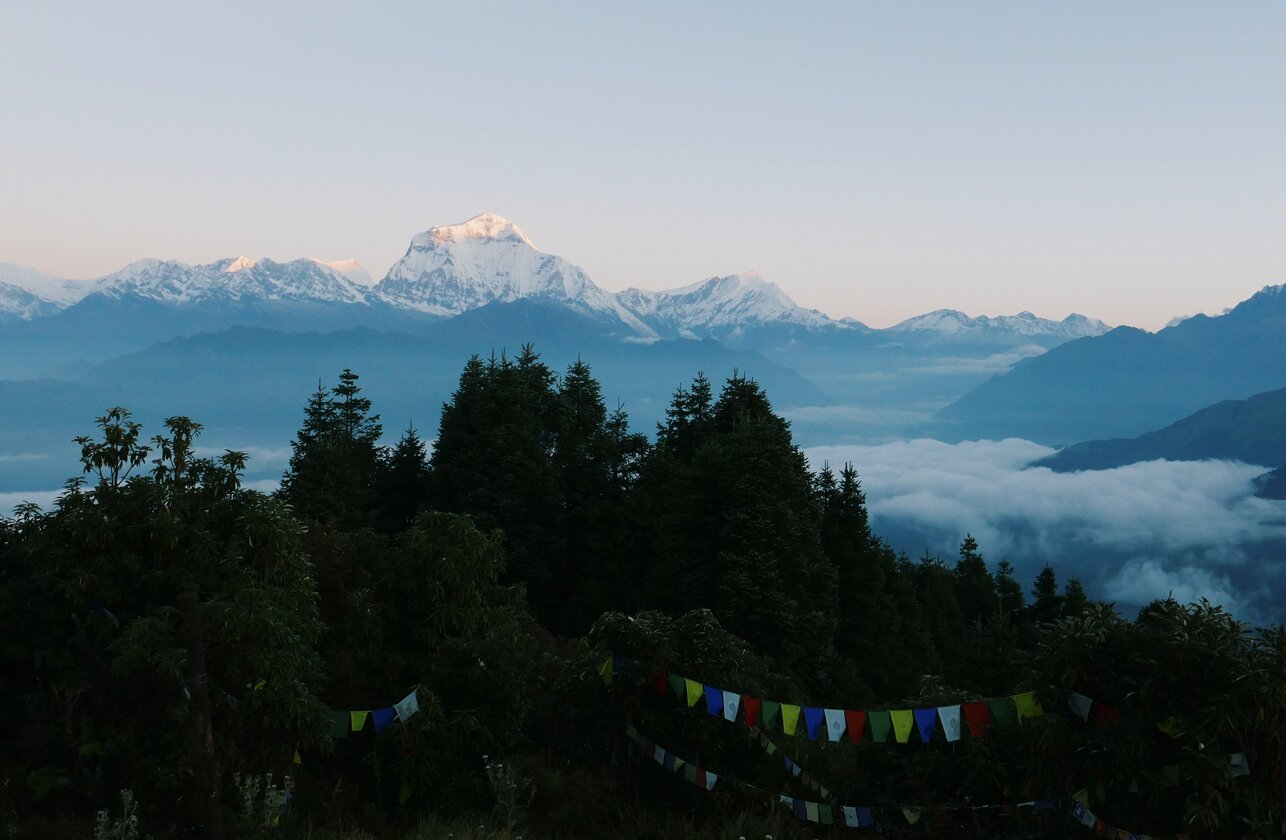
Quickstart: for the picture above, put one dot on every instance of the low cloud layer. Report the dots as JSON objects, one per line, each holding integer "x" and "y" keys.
{"x": 1131, "y": 534}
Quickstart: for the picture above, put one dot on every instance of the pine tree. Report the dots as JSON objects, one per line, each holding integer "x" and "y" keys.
{"x": 1009, "y": 590}
{"x": 1074, "y": 599}
{"x": 335, "y": 458}
{"x": 403, "y": 482}
{"x": 1047, "y": 604}
{"x": 975, "y": 587}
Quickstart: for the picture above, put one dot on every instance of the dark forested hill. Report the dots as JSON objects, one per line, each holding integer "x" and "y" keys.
{"x": 1251, "y": 430}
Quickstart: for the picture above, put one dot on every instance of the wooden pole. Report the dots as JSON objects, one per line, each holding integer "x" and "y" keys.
{"x": 199, "y": 708}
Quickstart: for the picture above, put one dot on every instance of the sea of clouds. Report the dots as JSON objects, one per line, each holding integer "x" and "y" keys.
{"x": 1190, "y": 529}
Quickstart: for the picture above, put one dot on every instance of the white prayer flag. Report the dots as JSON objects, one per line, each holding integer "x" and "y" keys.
{"x": 950, "y": 717}
{"x": 731, "y": 702}
{"x": 1080, "y": 705}
{"x": 835, "y": 724}
{"x": 409, "y": 705}
{"x": 711, "y": 778}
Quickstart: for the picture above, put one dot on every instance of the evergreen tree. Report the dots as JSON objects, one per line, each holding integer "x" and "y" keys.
{"x": 493, "y": 460}
{"x": 975, "y": 587}
{"x": 404, "y": 482}
{"x": 1074, "y": 598}
{"x": 1009, "y": 590}
{"x": 1047, "y": 604}
{"x": 336, "y": 458}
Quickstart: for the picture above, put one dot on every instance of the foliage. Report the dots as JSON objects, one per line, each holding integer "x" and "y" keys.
{"x": 494, "y": 575}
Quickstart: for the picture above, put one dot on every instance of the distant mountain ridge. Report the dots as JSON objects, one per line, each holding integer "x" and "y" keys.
{"x": 1127, "y": 382}
{"x": 1252, "y": 431}
{"x": 451, "y": 269}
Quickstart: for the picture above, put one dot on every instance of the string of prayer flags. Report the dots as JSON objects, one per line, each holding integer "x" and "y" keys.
{"x": 950, "y": 717}
{"x": 731, "y": 702}
{"x": 813, "y": 720}
{"x": 835, "y": 724}
{"x": 383, "y": 718}
{"x": 1027, "y": 706}
{"x": 407, "y": 706}
{"x": 714, "y": 701}
{"x": 1090, "y": 820}
{"x": 902, "y": 720}
{"x": 926, "y": 721}
{"x": 789, "y": 718}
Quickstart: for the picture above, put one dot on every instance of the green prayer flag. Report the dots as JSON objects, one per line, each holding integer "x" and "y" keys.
{"x": 825, "y": 815}
{"x": 690, "y": 773}
{"x": 339, "y": 722}
{"x": 677, "y": 683}
{"x": 1003, "y": 711}
{"x": 769, "y": 713}
{"x": 881, "y": 723}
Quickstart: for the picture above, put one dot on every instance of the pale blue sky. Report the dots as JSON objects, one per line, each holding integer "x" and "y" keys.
{"x": 1124, "y": 160}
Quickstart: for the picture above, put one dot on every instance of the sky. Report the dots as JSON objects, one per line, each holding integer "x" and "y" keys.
{"x": 877, "y": 161}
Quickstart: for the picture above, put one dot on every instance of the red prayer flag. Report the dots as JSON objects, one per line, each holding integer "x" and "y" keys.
{"x": 978, "y": 716}
{"x": 856, "y": 719}
{"x": 700, "y": 779}
{"x": 661, "y": 682}
{"x": 1107, "y": 715}
{"x": 751, "y": 705}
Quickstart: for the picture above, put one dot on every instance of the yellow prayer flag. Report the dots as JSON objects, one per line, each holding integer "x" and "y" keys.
{"x": 1170, "y": 726}
{"x": 1082, "y": 796}
{"x": 605, "y": 670}
{"x": 810, "y": 808}
{"x": 297, "y": 759}
{"x": 1027, "y": 705}
{"x": 694, "y": 691}
{"x": 357, "y": 720}
{"x": 789, "y": 718}
{"x": 903, "y": 720}
{"x": 405, "y": 793}
{"x": 912, "y": 814}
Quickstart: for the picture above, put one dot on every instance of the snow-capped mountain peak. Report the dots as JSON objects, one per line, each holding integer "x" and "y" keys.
{"x": 351, "y": 269}
{"x": 488, "y": 259}
{"x": 180, "y": 284}
{"x": 954, "y": 322}
{"x": 240, "y": 264}
{"x": 721, "y": 305}
{"x": 483, "y": 226}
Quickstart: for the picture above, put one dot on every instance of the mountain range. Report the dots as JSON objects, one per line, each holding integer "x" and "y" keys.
{"x": 446, "y": 271}
{"x": 1127, "y": 382}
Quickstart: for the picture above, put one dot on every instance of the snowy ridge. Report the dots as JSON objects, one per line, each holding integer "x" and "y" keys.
{"x": 46, "y": 287}
{"x": 488, "y": 259}
{"x": 731, "y": 303}
{"x": 950, "y": 322}
{"x": 179, "y": 284}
